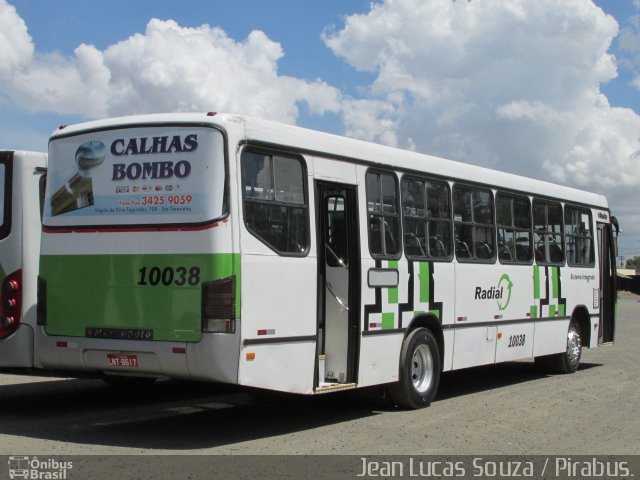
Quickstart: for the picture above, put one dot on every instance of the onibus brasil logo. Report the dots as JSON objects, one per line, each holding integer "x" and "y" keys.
{"x": 501, "y": 292}
{"x": 36, "y": 469}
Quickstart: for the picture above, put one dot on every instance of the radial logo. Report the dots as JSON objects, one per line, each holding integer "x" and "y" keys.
{"x": 501, "y": 293}
{"x": 505, "y": 283}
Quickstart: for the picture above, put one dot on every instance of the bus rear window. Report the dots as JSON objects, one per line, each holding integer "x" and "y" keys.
{"x": 136, "y": 176}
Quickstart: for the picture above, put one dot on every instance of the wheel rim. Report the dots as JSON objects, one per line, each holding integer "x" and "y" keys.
{"x": 574, "y": 347}
{"x": 422, "y": 368}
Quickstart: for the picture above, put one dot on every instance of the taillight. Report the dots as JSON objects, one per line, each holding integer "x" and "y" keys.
{"x": 11, "y": 307}
{"x": 219, "y": 306}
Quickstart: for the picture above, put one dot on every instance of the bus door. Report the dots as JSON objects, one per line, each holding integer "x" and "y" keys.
{"x": 338, "y": 283}
{"x": 608, "y": 287}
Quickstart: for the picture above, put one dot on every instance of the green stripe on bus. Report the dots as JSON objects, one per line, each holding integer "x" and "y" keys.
{"x": 129, "y": 291}
{"x": 536, "y": 282}
{"x": 533, "y": 309}
{"x": 555, "y": 281}
{"x": 388, "y": 321}
{"x": 393, "y": 292}
{"x": 425, "y": 282}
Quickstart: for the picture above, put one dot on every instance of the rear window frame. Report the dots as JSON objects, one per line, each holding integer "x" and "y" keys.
{"x": 591, "y": 236}
{"x": 382, "y": 215}
{"x": 425, "y": 218}
{"x": 513, "y": 228}
{"x": 547, "y": 231}
{"x": 474, "y": 224}
{"x": 306, "y": 205}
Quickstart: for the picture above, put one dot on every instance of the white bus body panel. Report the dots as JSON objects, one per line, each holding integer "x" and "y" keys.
{"x": 581, "y": 287}
{"x": 20, "y": 250}
{"x": 514, "y": 342}
{"x": 332, "y": 170}
{"x": 286, "y": 367}
{"x": 444, "y": 276}
{"x": 550, "y": 337}
{"x": 283, "y": 305}
{"x": 474, "y": 346}
{"x": 379, "y": 358}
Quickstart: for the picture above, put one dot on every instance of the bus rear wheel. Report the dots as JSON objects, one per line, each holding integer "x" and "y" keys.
{"x": 419, "y": 373}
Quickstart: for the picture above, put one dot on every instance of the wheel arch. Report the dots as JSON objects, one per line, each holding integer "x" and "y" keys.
{"x": 580, "y": 315}
{"x": 432, "y": 323}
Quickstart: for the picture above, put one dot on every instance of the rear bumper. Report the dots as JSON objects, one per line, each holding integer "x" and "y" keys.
{"x": 213, "y": 358}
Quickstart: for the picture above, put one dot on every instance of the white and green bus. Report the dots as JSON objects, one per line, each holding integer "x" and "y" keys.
{"x": 232, "y": 249}
{"x": 21, "y": 185}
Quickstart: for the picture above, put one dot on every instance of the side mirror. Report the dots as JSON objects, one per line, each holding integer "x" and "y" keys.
{"x": 614, "y": 222}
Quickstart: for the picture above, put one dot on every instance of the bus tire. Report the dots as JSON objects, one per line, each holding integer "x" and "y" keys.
{"x": 419, "y": 372}
{"x": 569, "y": 360}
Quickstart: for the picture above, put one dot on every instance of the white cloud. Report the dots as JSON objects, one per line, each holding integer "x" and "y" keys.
{"x": 166, "y": 68}
{"x": 629, "y": 43}
{"x": 514, "y": 85}
{"x": 16, "y": 48}
{"x": 371, "y": 120}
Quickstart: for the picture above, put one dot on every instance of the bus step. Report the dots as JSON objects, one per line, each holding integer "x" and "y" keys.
{"x": 334, "y": 387}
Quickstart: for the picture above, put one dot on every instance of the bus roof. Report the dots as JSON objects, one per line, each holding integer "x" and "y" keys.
{"x": 320, "y": 143}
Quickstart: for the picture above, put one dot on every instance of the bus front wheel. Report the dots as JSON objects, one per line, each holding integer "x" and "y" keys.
{"x": 569, "y": 360}
{"x": 419, "y": 372}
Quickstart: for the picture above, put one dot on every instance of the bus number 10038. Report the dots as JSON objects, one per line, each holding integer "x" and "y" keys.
{"x": 517, "y": 340}
{"x": 169, "y": 276}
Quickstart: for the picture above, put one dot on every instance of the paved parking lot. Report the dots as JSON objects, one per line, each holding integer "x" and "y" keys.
{"x": 506, "y": 409}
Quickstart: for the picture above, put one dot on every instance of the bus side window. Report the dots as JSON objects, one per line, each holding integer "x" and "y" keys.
{"x": 427, "y": 219}
{"x": 513, "y": 214}
{"x": 275, "y": 206}
{"x": 578, "y": 237}
{"x": 382, "y": 209}
{"x": 547, "y": 232}
{"x": 474, "y": 224}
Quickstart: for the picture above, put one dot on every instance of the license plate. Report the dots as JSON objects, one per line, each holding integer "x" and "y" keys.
{"x": 121, "y": 360}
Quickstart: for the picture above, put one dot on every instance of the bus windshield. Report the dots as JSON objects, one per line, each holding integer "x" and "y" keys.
{"x": 136, "y": 176}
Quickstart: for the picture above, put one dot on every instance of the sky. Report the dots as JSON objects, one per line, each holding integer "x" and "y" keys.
{"x": 549, "y": 89}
